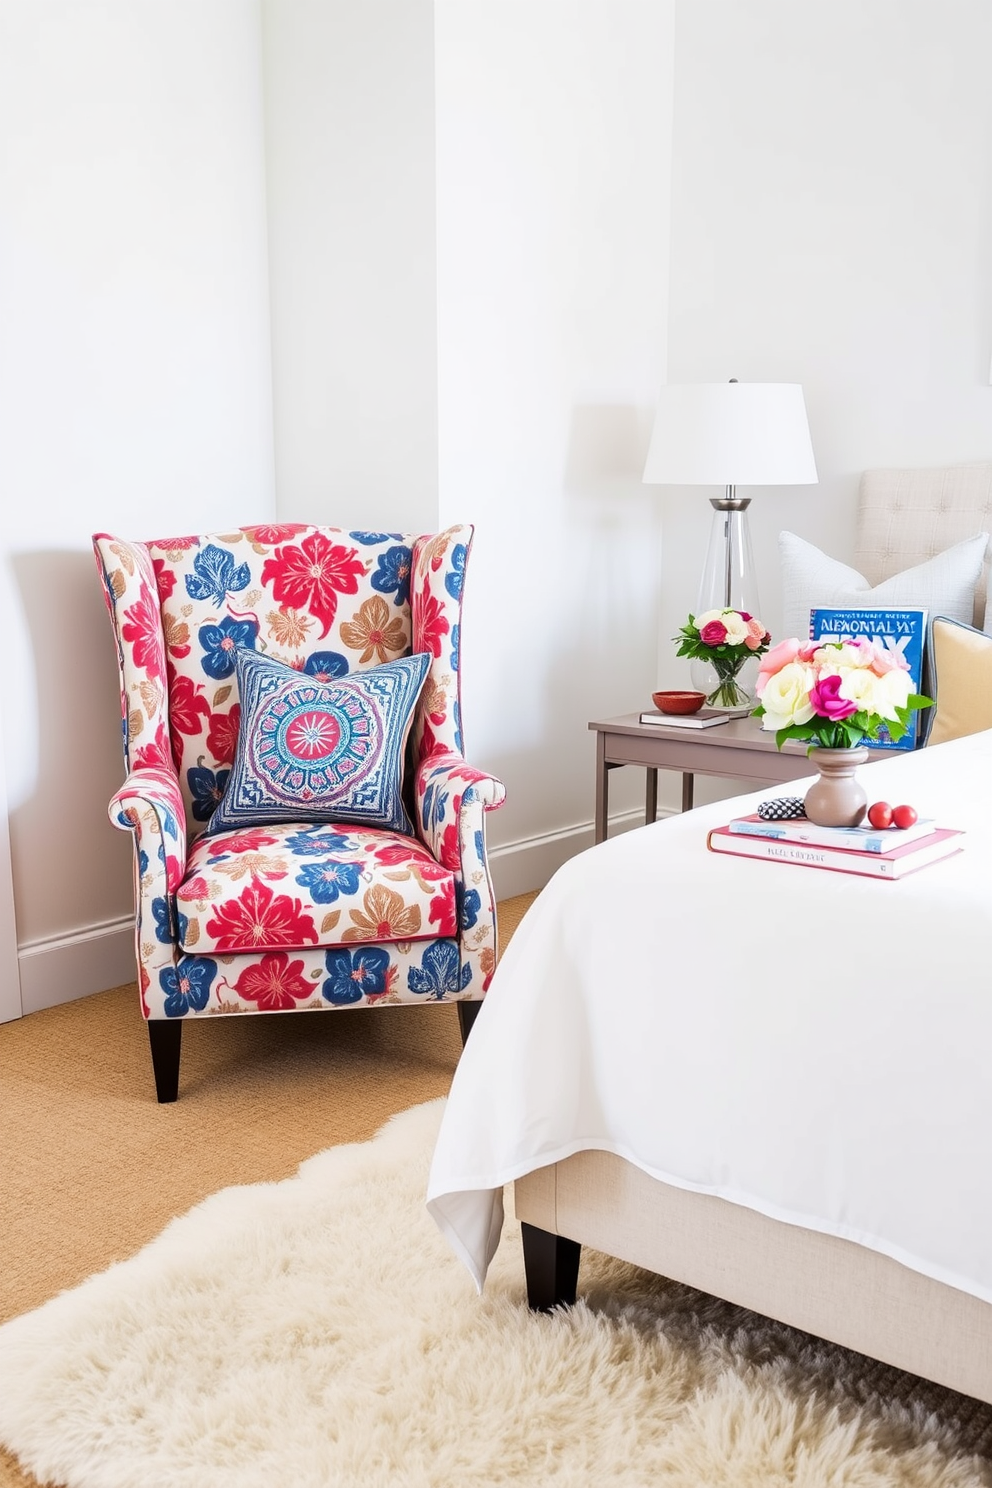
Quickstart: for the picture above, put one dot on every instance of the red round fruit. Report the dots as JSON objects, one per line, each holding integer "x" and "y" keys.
{"x": 880, "y": 815}
{"x": 904, "y": 816}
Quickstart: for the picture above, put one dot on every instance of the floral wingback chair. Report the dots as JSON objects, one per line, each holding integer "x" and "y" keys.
{"x": 274, "y": 915}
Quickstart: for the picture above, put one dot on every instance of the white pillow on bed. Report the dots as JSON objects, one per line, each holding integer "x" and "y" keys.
{"x": 944, "y": 584}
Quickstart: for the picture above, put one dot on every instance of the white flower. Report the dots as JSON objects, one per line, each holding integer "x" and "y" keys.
{"x": 736, "y": 628}
{"x": 860, "y": 686}
{"x": 785, "y": 698}
{"x": 705, "y": 619}
{"x": 874, "y": 694}
{"x": 892, "y": 692}
{"x": 838, "y": 659}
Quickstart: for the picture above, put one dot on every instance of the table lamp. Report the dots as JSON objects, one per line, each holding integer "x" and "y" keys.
{"x": 730, "y": 434}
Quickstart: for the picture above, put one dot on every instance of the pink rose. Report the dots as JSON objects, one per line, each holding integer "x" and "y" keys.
{"x": 887, "y": 659}
{"x": 744, "y": 616}
{"x": 756, "y": 634}
{"x": 826, "y": 701}
{"x": 713, "y": 634}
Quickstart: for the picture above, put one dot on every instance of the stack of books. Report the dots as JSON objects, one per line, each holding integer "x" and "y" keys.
{"x": 704, "y": 718}
{"x": 892, "y": 853}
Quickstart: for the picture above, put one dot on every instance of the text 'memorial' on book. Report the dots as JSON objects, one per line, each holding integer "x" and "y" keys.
{"x": 902, "y": 630}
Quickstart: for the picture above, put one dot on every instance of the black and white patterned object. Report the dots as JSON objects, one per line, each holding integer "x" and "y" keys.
{"x": 785, "y": 808}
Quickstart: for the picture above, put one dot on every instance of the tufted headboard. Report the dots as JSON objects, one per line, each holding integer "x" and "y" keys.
{"x": 906, "y": 516}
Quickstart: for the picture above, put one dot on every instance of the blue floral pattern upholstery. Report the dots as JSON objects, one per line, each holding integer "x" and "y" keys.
{"x": 303, "y": 914}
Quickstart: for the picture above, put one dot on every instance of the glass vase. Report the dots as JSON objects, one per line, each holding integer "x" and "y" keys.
{"x": 728, "y": 684}
{"x": 836, "y": 798}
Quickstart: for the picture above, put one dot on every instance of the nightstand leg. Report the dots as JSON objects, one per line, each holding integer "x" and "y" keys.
{"x": 651, "y": 796}
{"x": 602, "y": 790}
{"x": 686, "y": 790}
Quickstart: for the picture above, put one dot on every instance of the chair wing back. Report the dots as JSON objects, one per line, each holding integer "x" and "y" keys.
{"x": 131, "y": 593}
{"x": 320, "y": 599}
{"x": 907, "y": 516}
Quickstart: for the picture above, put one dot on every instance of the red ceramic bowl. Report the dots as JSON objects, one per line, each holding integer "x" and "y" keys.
{"x": 678, "y": 702}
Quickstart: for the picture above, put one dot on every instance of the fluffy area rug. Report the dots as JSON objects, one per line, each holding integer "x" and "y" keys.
{"x": 319, "y": 1332}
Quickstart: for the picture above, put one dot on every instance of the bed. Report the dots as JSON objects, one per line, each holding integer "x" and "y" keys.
{"x": 766, "y": 1081}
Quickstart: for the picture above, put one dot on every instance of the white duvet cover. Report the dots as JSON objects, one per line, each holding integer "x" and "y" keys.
{"x": 813, "y": 1045}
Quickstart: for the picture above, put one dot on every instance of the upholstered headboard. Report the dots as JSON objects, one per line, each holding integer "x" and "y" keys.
{"x": 906, "y": 516}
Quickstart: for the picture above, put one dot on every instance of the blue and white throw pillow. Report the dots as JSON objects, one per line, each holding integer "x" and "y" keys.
{"x": 321, "y": 750}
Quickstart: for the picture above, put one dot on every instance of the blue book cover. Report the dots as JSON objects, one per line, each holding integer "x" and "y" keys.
{"x": 903, "y": 630}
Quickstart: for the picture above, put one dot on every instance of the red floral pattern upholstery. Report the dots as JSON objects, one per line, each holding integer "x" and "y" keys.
{"x": 269, "y": 887}
{"x": 298, "y": 915}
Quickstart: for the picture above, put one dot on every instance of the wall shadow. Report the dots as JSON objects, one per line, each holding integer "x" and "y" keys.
{"x": 71, "y": 869}
{"x": 586, "y": 581}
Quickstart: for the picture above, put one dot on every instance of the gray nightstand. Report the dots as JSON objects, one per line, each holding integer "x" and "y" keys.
{"x": 738, "y": 749}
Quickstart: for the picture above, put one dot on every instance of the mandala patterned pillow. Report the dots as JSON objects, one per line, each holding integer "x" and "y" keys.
{"x": 321, "y": 750}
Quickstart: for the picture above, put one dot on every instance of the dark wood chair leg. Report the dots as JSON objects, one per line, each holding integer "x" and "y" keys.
{"x": 165, "y": 1036}
{"x": 551, "y": 1265}
{"x": 467, "y": 1014}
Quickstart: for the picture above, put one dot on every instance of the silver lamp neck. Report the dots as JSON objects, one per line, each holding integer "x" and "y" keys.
{"x": 731, "y": 501}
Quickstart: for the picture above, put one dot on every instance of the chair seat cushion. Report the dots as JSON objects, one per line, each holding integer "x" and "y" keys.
{"x": 293, "y": 885}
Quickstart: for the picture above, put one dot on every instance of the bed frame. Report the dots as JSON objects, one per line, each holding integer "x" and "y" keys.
{"x": 827, "y": 1286}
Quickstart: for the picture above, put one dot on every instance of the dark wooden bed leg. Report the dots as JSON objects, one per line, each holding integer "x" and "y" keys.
{"x": 551, "y": 1265}
{"x": 165, "y": 1036}
{"x": 467, "y": 1014}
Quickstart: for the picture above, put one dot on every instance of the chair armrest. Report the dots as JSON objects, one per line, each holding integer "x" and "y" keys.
{"x": 451, "y": 801}
{"x": 150, "y": 805}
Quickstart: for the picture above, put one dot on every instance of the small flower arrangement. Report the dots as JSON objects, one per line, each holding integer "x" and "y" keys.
{"x": 726, "y": 639}
{"x": 835, "y": 694}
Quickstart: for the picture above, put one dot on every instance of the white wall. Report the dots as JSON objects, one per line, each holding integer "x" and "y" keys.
{"x": 832, "y": 225}
{"x": 134, "y": 397}
{"x": 553, "y": 157}
{"x": 349, "y": 94}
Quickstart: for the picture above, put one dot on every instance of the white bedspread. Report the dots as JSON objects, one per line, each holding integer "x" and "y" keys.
{"x": 810, "y": 1044}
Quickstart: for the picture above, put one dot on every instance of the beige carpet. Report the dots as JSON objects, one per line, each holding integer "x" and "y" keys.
{"x": 319, "y": 1332}
{"x": 91, "y": 1167}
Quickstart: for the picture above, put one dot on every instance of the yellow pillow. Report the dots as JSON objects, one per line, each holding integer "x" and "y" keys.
{"x": 962, "y": 674}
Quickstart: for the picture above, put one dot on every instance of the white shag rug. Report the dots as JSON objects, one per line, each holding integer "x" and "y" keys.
{"x": 319, "y": 1332}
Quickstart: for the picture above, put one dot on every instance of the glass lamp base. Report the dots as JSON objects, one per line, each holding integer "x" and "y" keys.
{"x": 728, "y": 580}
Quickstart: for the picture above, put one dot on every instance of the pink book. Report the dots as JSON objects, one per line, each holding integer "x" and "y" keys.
{"x": 901, "y": 861}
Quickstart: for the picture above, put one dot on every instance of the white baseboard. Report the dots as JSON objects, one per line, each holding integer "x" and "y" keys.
{"x": 64, "y": 967}
{"x": 522, "y": 866}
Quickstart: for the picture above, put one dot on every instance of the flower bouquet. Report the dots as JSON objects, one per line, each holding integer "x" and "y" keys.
{"x": 835, "y": 694}
{"x": 725, "y": 639}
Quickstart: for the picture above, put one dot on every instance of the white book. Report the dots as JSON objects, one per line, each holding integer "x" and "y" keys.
{"x": 705, "y": 718}
{"x": 857, "y": 839}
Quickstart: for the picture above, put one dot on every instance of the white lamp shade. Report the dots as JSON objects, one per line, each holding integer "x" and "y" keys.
{"x": 731, "y": 434}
